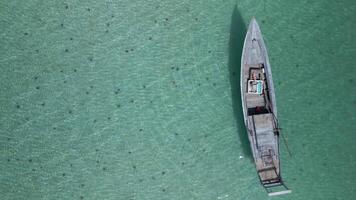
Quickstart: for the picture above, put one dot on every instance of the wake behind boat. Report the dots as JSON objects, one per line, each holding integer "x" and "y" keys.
{"x": 260, "y": 111}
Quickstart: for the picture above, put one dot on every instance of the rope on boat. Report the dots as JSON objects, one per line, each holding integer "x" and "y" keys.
{"x": 268, "y": 106}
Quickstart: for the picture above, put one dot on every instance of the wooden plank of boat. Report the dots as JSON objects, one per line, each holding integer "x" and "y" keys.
{"x": 260, "y": 111}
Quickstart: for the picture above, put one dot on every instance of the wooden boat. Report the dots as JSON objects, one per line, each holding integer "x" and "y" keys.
{"x": 260, "y": 111}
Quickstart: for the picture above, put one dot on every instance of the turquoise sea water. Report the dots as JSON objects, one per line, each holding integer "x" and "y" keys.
{"x": 140, "y": 99}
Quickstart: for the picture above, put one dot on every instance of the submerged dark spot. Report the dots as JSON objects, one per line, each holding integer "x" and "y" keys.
{"x": 18, "y": 106}
{"x": 91, "y": 87}
{"x": 144, "y": 86}
{"x": 43, "y": 104}
{"x": 129, "y": 152}
{"x": 109, "y": 118}
{"x": 70, "y": 38}
{"x": 166, "y": 19}
{"x": 351, "y": 80}
{"x": 104, "y": 168}
{"x": 112, "y": 16}
{"x": 214, "y": 84}
{"x": 172, "y": 68}
{"x": 196, "y": 19}
{"x": 62, "y": 25}
{"x": 185, "y": 64}
{"x": 126, "y": 51}
{"x": 54, "y": 128}
{"x": 163, "y": 173}
{"x": 199, "y": 84}
{"x": 177, "y": 68}
{"x": 37, "y": 87}
{"x": 75, "y": 70}
{"x": 97, "y": 161}
{"x": 8, "y": 160}
{"x": 95, "y": 120}
{"x": 118, "y": 105}
{"x": 86, "y": 92}
{"x": 37, "y": 51}
{"x": 88, "y": 9}
{"x": 66, "y": 50}
{"x": 163, "y": 190}
{"x": 134, "y": 166}
{"x": 131, "y": 49}
{"x": 70, "y": 111}
{"x": 66, "y": 6}
{"x": 175, "y": 134}
{"x": 132, "y": 101}
{"x": 36, "y": 77}
{"x": 107, "y": 31}
{"x": 107, "y": 24}
{"x": 29, "y": 160}
{"x": 25, "y": 33}
{"x": 209, "y": 51}
{"x": 141, "y": 130}
{"x": 150, "y": 38}
{"x": 183, "y": 163}
{"x": 189, "y": 139}
{"x": 33, "y": 170}
{"x": 263, "y": 21}
{"x": 61, "y": 71}
{"x": 207, "y": 78}
{"x": 153, "y": 178}
{"x": 65, "y": 81}
{"x": 140, "y": 180}
{"x": 82, "y": 185}
{"x": 81, "y": 197}
{"x": 155, "y": 21}
{"x": 63, "y": 174}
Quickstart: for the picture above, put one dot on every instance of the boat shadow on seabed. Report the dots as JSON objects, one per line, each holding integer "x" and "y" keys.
{"x": 237, "y": 37}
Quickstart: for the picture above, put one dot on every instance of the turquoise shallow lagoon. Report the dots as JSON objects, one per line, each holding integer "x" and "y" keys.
{"x": 140, "y": 99}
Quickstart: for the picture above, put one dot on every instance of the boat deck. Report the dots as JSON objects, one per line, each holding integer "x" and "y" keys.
{"x": 264, "y": 145}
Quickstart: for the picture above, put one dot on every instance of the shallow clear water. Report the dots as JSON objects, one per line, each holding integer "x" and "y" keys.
{"x": 140, "y": 99}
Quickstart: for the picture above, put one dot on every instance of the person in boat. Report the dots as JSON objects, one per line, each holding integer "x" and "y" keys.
{"x": 253, "y": 76}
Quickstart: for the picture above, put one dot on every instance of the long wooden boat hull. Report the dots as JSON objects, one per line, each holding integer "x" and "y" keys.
{"x": 259, "y": 109}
